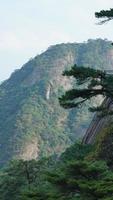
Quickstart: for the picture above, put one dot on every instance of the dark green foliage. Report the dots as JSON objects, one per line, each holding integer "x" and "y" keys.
{"x": 76, "y": 151}
{"x": 93, "y": 83}
{"x": 82, "y": 75}
{"x": 104, "y": 13}
{"x": 28, "y": 179}
{"x": 71, "y": 177}
{"x": 104, "y": 145}
{"x": 107, "y": 14}
{"x": 83, "y": 180}
{"x": 16, "y": 176}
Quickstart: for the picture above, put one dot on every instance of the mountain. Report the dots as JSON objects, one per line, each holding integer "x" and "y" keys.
{"x": 32, "y": 123}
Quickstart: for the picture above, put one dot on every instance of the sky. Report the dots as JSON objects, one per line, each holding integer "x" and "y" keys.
{"x": 29, "y": 27}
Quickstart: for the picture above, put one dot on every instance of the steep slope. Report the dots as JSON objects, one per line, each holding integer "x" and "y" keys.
{"x": 32, "y": 124}
{"x": 98, "y": 124}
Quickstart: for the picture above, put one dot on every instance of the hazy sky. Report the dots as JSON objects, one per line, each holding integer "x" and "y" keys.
{"x": 28, "y": 27}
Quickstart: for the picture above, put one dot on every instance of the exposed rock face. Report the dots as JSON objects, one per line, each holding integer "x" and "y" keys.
{"x": 97, "y": 124}
{"x": 30, "y": 150}
{"x": 48, "y": 93}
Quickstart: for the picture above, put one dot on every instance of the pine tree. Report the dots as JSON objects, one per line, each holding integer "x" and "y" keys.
{"x": 106, "y": 14}
{"x": 90, "y": 83}
{"x": 93, "y": 82}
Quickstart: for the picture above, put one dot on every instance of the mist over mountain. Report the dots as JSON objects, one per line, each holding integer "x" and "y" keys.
{"x": 32, "y": 123}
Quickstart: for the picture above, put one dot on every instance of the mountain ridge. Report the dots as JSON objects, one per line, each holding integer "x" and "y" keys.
{"x": 32, "y": 123}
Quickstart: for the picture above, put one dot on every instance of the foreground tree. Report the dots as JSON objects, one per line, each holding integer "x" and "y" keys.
{"x": 93, "y": 82}
{"x": 83, "y": 180}
{"x": 90, "y": 83}
{"x": 75, "y": 177}
{"x": 107, "y": 15}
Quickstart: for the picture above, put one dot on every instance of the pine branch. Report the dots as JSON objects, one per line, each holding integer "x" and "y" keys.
{"x": 98, "y": 83}
{"x": 70, "y": 104}
{"x": 68, "y": 100}
{"x": 104, "y": 13}
{"x": 83, "y": 73}
{"x": 104, "y": 21}
{"x": 83, "y": 93}
{"x": 108, "y": 14}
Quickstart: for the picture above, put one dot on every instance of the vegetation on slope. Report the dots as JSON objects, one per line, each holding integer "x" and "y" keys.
{"x": 73, "y": 176}
{"x": 32, "y": 119}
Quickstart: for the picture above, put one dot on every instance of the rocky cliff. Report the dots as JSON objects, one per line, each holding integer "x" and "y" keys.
{"x": 32, "y": 123}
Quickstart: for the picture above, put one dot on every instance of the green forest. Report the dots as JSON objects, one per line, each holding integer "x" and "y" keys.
{"x": 81, "y": 172}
